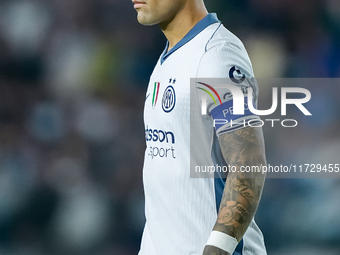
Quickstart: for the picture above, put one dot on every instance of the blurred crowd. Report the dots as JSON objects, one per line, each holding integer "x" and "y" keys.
{"x": 73, "y": 77}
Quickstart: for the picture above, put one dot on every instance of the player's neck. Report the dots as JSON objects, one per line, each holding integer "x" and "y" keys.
{"x": 182, "y": 23}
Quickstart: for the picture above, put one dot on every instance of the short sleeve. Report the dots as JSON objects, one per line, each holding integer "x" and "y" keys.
{"x": 228, "y": 64}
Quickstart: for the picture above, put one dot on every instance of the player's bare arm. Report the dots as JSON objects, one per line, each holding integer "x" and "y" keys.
{"x": 212, "y": 250}
{"x": 242, "y": 192}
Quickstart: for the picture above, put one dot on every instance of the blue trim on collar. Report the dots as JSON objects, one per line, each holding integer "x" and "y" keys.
{"x": 209, "y": 19}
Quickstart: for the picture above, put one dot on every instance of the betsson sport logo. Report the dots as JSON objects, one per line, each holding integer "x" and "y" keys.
{"x": 160, "y": 141}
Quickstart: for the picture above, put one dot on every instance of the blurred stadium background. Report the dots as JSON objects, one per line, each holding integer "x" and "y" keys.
{"x": 73, "y": 75}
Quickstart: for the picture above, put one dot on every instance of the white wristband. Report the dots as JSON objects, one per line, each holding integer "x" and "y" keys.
{"x": 222, "y": 241}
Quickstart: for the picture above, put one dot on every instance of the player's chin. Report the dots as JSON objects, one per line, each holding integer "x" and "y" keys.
{"x": 145, "y": 19}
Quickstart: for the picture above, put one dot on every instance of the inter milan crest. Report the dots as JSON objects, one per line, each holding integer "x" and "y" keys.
{"x": 169, "y": 99}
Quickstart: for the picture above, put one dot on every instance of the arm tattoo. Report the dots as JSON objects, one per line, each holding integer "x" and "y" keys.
{"x": 212, "y": 250}
{"x": 242, "y": 192}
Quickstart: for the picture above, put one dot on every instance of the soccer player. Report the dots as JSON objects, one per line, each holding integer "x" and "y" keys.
{"x": 187, "y": 216}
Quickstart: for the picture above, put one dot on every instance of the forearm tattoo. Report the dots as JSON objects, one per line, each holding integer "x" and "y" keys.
{"x": 212, "y": 250}
{"x": 242, "y": 192}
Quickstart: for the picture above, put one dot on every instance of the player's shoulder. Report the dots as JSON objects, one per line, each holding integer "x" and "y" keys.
{"x": 224, "y": 52}
{"x": 225, "y": 39}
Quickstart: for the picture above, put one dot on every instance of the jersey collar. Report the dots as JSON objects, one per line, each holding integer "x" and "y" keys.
{"x": 199, "y": 27}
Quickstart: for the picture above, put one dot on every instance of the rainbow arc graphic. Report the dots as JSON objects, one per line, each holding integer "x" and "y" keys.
{"x": 209, "y": 93}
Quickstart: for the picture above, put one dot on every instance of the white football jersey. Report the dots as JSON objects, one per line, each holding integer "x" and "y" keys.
{"x": 181, "y": 211}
